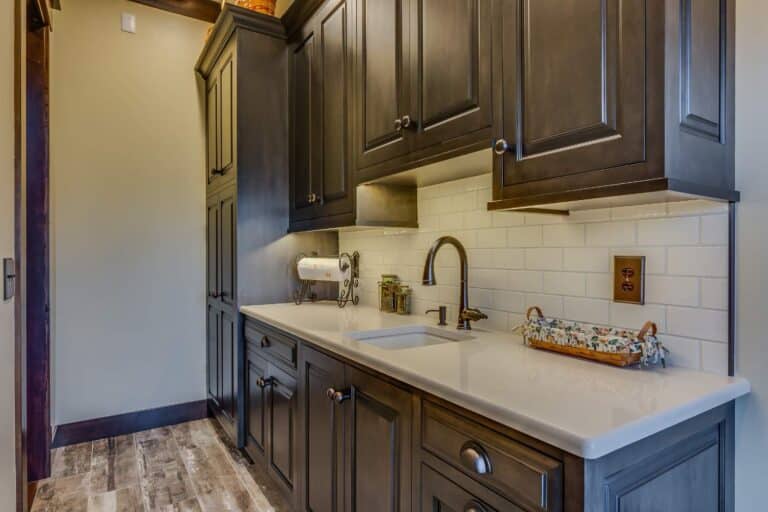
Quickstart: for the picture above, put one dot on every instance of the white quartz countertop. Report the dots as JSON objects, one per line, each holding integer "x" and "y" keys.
{"x": 585, "y": 408}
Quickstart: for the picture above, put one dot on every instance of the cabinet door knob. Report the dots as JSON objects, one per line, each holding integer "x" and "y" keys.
{"x": 338, "y": 396}
{"x": 312, "y": 198}
{"x": 214, "y": 295}
{"x": 398, "y": 125}
{"x": 262, "y": 382}
{"x": 264, "y": 342}
{"x": 474, "y": 506}
{"x": 501, "y": 146}
{"x": 474, "y": 458}
{"x": 406, "y": 121}
{"x": 217, "y": 172}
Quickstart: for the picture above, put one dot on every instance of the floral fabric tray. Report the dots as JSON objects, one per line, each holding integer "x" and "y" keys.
{"x": 610, "y": 345}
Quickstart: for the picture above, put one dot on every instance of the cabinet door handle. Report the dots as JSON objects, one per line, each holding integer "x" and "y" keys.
{"x": 214, "y": 295}
{"x": 406, "y": 121}
{"x": 338, "y": 396}
{"x": 501, "y": 146}
{"x": 217, "y": 172}
{"x": 474, "y": 458}
{"x": 264, "y": 342}
{"x": 474, "y": 506}
{"x": 262, "y": 382}
{"x": 312, "y": 198}
{"x": 398, "y": 125}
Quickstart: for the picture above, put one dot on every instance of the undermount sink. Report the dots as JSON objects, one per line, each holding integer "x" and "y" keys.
{"x": 410, "y": 336}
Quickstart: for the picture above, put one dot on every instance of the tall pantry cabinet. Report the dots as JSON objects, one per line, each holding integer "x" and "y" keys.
{"x": 249, "y": 256}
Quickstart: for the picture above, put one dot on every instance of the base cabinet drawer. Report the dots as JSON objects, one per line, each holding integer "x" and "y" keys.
{"x": 271, "y": 344}
{"x": 523, "y": 475}
{"x": 441, "y": 494}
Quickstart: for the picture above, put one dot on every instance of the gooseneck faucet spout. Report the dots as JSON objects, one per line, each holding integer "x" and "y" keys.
{"x": 466, "y": 314}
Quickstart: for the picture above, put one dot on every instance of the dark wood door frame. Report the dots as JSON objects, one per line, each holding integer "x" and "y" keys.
{"x": 36, "y": 258}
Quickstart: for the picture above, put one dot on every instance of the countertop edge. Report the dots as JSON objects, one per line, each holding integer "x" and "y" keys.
{"x": 586, "y": 448}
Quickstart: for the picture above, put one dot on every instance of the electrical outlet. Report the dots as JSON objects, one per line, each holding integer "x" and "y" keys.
{"x": 629, "y": 279}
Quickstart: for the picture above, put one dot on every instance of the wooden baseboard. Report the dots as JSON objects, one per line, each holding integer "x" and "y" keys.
{"x": 128, "y": 423}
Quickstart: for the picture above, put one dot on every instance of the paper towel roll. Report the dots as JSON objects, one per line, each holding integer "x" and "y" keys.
{"x": 321, "y": 269}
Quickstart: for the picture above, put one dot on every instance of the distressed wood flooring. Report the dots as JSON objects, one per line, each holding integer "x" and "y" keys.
{"x": 191, "y": 467}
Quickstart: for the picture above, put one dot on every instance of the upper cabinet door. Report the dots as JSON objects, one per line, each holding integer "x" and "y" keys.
{"x": 303, "y": 113}
{"x": 227, "y": 116}
{"x": 333, "y": 176}
{"x": 212, "y": 126}
{"x": 382, "y": 80}
{"x": 451, "y": 68}
{"x": 580, "y": 96}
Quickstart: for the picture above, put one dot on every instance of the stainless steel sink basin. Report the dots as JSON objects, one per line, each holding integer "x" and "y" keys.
{"x": 410, "y": 336}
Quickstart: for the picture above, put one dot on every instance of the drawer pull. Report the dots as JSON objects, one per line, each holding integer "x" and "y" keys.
{"x": 338, "y": 396}
{"x": 474, "y": 458}
{"x": 263, "y": 383}
{"x": 474, "y": 506}
{"x": 264, "y": 342}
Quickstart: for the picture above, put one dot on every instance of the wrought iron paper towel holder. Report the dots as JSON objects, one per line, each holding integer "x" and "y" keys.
{"x": 347, "y": 288}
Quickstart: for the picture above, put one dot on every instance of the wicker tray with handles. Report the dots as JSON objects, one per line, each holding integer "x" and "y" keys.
{"x": 617, "y": 347}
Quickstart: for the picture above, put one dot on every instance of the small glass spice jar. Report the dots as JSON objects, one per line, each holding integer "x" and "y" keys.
{"x": 403, "y": 300}
{"x": 387, "y": 288}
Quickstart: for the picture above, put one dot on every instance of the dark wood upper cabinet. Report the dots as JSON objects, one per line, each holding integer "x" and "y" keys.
{"x": 451, "y": 63}
{"x": 212, "y": 127}
{"x": 227, "y": 107}
{"x": 320, "y": 135}
{"x": 220, "y": 120}
{"x": 628, "y": 98}
{"x": 383, "y": 74}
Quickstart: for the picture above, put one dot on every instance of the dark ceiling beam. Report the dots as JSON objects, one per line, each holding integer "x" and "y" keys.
{"x": 206, "y": 10}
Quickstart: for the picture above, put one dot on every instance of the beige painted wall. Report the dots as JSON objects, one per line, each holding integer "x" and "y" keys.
{"x": 128, "y": 210}
{"x": 7, "y": 416}
{"x": 752, "y": 252}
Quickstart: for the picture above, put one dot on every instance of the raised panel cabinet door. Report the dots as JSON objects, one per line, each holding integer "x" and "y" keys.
{"x": 451, "y": 55}
{"x": 303, "y": 154}
{"x": 321, "y": 446}
{"x": 227, "y": 116}
{"x": 228, "y": 364}
{"x": 228, "y": 246}
{"x": 256, "y": 403}
{"x": 212, "y": 127}
{"x": 334, "y": 63}
{"x": 382, "y": 80}
{"x": 378, "y": 445}
{"x": 282, "y": 425}
{"x": 580, "y": 96}
{"x": 213, "y": 347}
{"x": 441, "y": 494}
{"x": 212, "y": 252}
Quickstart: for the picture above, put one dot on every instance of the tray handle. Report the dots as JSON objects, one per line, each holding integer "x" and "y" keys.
{"x": 537, "y": 309}
{"x": 647, "y": 326}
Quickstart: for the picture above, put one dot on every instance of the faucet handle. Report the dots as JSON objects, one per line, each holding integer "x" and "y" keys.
{"x": 473, "y": 314}
{"x": 443, "y": 314}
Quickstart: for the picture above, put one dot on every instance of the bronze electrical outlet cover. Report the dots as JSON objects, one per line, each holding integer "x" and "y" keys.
{"x": 629, "y": 279}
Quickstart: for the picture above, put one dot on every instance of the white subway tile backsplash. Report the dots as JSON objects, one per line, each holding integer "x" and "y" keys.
{"x": 674, "y": 231}
{"x": 632, "y": 316}
{"x": 608, "y": 234}
{"x": 680, "y": 291}
{"x": 714, "y": 230}
{"x": 592, "y": 311}
{"x": 565, "y": 283}
{"x": 600, "y": 286}
{"x": 705, "y": 324}
{"x": 525, "y": 236}
{"x": 544, "y": 259}
{"x": 564, "y": 265}
{"x": 684, "y": 352}
{"x": 587, "y": 260}
{"x": 525, "y": 280}
{"x": 564, "y": 235}
{"x": 698, "y": 261}
{"x": 714, "y": 293}
{"x": 714, "y": 357}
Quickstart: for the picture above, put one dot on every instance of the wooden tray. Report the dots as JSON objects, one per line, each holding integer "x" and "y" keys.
{"x": 621, "y": 359}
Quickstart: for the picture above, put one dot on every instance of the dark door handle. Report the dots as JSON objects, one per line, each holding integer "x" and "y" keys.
{"x": 214, "y": 295}
{"x": 474, "y": 506}
{"x": 338, "y": 396}
{"x": 217, "y": 172}
{"x": 406, "y": 121}
{"x": 264, "y": 342}
{"x": 501, "y": 146}
{"x": 475, "y": 458}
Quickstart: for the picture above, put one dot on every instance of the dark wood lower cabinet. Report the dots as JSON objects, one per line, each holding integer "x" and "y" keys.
{"x": 338, "y": 437}
{"x": 378, "y": 445}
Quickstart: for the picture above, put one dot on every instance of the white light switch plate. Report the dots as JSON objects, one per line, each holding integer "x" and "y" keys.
{"x": 128, "y": 22}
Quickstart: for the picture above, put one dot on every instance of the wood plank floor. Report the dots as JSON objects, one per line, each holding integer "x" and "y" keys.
{"x": 191, "y": 467}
